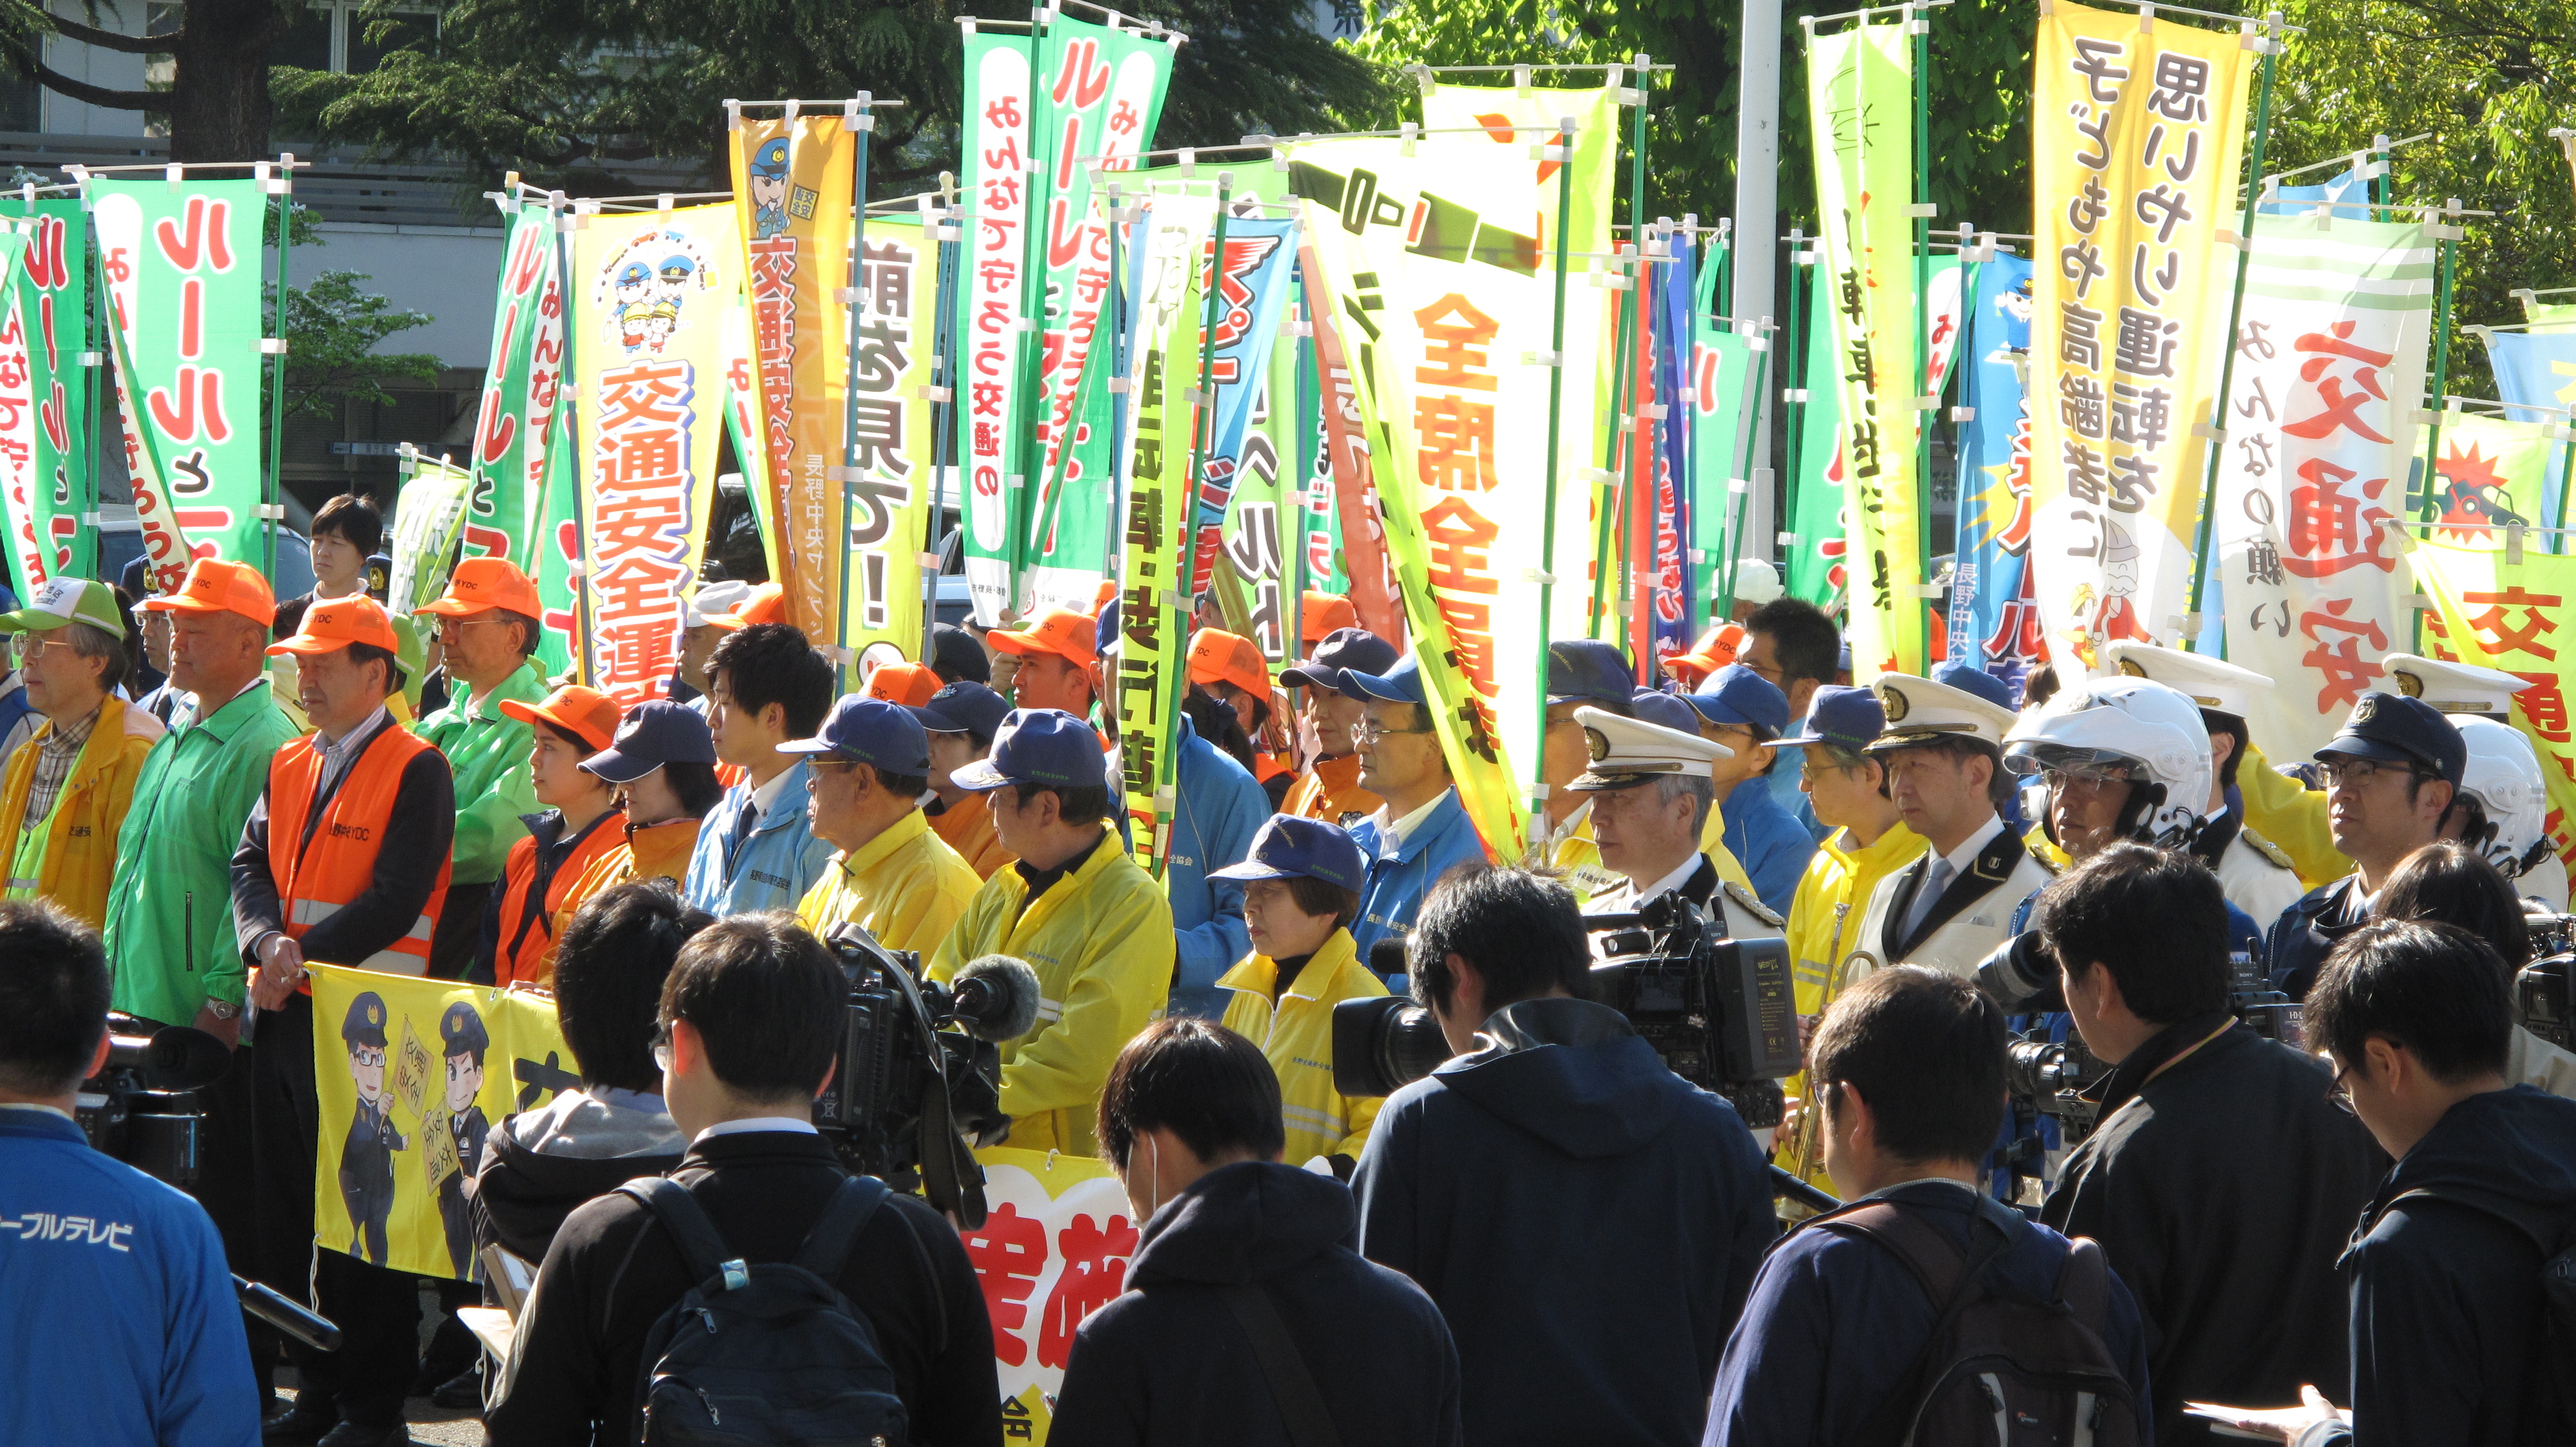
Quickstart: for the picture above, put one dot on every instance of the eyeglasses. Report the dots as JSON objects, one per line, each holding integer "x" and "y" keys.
{"x": 1369, "y": 733}
{"x": 31, "y": 647}
{"x": 2358, "y": 773}
{"x": 451, "y": 625}
{"x": 2336, "y": 1095}
{"x": 829, "y": 766}
{"x": 1770, "y": 673}
{"x": 367, "y": 1055}
{"x": 2059, "y": 781}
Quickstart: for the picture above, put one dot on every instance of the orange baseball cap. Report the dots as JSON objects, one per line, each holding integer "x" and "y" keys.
{"x": 336, "y": 623}
{"x": 1216, "y": 654}
{"x": 1321, "y": 613}
{"x": 908, "y": 684}
{"x": 1060, "y": 631}
{"x": 1100, "y": 599}
{"x": 764, "y": 604}
{"x": 585, "y": 713}
{"x": 480, "y": 583}
{"x": 215, "y": 586}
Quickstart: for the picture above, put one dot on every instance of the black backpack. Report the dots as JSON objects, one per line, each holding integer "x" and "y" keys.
{"x": 771, "y": 1353}
{"x": 2549, "y": 1395}
{"x": 1997, "y": 1371}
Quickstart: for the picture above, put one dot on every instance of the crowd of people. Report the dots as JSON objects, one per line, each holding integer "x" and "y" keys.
{"x": 2303, "y": 1176}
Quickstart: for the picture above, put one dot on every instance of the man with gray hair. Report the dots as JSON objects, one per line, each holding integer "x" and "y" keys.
{"x": 65, "y": 795}
{"x": 1651, "y": 795}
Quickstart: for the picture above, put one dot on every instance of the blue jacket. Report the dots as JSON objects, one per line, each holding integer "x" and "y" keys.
{"x": 126, "y": 1310}
{"x": 1769, "y": 842}
{"x": 1396, "y": 886}
{"x": 1836, "y": 1323}
{"x": 776, "y": 865}
{"x": 1587, "y": 1221}
{"x": 1217, "y": 808}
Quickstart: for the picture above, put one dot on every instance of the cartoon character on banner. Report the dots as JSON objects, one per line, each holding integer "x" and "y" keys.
{"x": 367, "y": 1156}
{"x": 649, "y": 283}
{"x": 2474, "y": 497}
{"x": 769, "y": 188}
{"x": 462, "y": 1040}
{"x": 2114, "y": 612}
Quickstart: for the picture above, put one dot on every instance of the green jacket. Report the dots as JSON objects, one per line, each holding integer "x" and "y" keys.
{"x": 488, "y": 752}
{"x": 169, "y": 939}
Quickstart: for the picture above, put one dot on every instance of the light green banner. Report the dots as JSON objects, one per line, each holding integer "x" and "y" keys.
{"x": 519, "y": 393}
{"x": 49, "y": 298}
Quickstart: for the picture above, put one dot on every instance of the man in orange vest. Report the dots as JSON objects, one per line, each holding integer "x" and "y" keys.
{"x": 314, "y": 881}
{"x": 581, "y": 824}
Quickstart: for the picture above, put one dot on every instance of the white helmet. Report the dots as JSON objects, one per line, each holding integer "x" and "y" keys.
{"x": 2503, "y": 775}
{"x": 2151, "y": 729}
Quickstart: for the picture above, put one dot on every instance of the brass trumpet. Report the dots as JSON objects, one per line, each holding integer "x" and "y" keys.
{"x": 1808, "y": 1150}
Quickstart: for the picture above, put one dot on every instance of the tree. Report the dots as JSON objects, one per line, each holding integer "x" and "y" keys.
{"x": 217, "y": 102}
{"x": 332, "y": 331}
{"x": 570, "y": 92}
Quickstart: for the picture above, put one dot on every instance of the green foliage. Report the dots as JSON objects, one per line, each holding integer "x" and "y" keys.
{"x": 2489, "y": 79}
{"x": 567, "y": 91}
{"x": 332, "y": 330}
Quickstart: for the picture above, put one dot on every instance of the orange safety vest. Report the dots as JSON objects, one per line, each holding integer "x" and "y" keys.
{"x": 314, "y": 879}
{"x": 525, "y": 953}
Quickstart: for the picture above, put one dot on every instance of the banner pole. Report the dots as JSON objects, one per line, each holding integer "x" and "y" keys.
{"x": 2566, "y": 460}
{"x": 98, "y": 366}
{"x": 2447, "y": 239}
{"x": 1555, "y": 411}
{"x": 1027, "y": 357}
{"x": 856, "y": 118}
{"x": 1612, "y": 508}
{"x": 567, "y": 414}
{"x": 1918, "y": 25}
{"x": 1738, "y": 489}
{"x": 2217, "y": 425}
{"x": 943, "y": 386}
{"x": 1175, "y": 605}
{"x": 1793, "y": 380}
{"x": 273, "y": 484}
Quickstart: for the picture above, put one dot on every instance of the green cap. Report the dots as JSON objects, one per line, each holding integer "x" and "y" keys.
{"x": 58, "y": 601}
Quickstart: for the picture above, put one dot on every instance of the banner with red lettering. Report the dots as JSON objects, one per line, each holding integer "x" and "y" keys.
{"x": 2329, "y": 359}
{"x": 2498, "y": 610}
{"x": 503, "y": 513}
{"x": 652, "y": 293}
{"x": 1053, "y": 1249}
{"x": 183, "y": 270}
{"x": 18, "y": 485}
{"x": 49, "y": 303}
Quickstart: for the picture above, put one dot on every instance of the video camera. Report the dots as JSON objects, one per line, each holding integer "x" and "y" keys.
{"x": 142, "y": 1108}
{"x": 919, "y": 1069}
{"x": 2022, "y": 978}
{"x": 2544, "y": 991}
{"x": 1718, "y": 1010}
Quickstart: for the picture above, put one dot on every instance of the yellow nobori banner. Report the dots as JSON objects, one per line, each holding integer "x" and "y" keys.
{"x": 2139, "y": 133}
{"x": 2495, "y": 611}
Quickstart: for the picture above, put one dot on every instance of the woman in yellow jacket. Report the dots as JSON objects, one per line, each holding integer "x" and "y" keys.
{"x": 1301, "y": 891}
{"x": 71, "y": 653}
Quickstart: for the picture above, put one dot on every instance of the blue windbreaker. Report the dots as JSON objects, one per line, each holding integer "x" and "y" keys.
{"x": 1217, "y": 807}
{"x": 775, "y": 866}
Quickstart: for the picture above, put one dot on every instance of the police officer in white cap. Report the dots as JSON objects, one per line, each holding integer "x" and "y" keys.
{"x": 1949, "y": 908}
{"x": 2456, "y": 689}
{"x": 1651, "y": 793}
{"x": 2256, "y": 873}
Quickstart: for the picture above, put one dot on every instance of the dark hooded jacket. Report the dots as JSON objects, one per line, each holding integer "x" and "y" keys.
{"x": 1168, "y": 1362}
{"x": 2446, "y": 1304}
{"x": 540, "y": 1166}
{"x": 1588, "y": 1222}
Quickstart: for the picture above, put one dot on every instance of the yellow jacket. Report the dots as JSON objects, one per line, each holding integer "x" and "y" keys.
{"x": 1824, "y": 918}
{"x": 80, "y": 840}
{"x": 906, "y": 887}
{"x": 2293, "y": 816}
{"x": 1297, "y": 1036}
{"x": 1101, "y": 941}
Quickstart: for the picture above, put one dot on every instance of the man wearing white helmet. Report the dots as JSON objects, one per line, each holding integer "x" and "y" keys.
{"x": 1949, "y": 908}
{"x": 2503, "y": 802}
{"x": 2256, "y": 873}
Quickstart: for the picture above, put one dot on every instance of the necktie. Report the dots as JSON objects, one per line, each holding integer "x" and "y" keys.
{"x": 740, "y": 834}
{"x": 1935, "y": 880}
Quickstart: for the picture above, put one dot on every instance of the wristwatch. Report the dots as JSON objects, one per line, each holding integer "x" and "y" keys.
{"x": 223, "y": 1009}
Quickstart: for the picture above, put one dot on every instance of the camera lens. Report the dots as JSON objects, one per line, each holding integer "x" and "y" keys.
{"x": 1384, "y": 1044}
{"x": 2020, "y": 976}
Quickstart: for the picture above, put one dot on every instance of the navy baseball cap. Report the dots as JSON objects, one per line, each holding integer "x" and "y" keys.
{"x": 870, "y": 731}
{"x": 1665, "y": 710}
{"x": 1843, "y": 716}
{"x": 964, "y": 708}
{"x": 1736, "y": 694}
{"x": 1400, "y": 684}
{"x": 1969, "y": 678}
{"x": 1354, "y": 648}
{"x": 1104, "y": 629}
{"x": 2395, "y": 729}
{"x": 1045, "y": 746}
{"x": 653, "y": 733}
{"x": 954, "y": 651}
{"x": 1588, "y": 669}
{"x": 1290, "y": 846}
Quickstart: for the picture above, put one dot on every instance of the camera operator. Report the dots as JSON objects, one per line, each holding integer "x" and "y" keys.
{"x": 1082, "y": 912}
{"x": 1650, "y": 836}
{"x": 1838, "y": 1325}
{"x": 2260, "y": 872}
{"x": 2450, "y": 883}
{"x": 2448, "y": 1310}
{"x": 2392, "y": 773}
{"x": 1586, "y": 1220}
{"x": 126, "y": 1330}
{"x": 1239, "y": 1248}
{"x": 1950, "y": 907}
{"x": 751, "y": 1015}
{"x": 2220, "y": 1181}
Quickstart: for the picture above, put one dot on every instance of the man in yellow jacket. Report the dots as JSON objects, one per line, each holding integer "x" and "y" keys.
{"x": 1848, "y": 790}
{"x": 66, "y": 793}
{"x": 1088, "y": 919}
{"x": 892, "y": 876}
{"x": 1301, "y": 891}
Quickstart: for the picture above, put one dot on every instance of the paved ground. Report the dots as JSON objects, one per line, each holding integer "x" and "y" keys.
{"x": 430, "y": 1423}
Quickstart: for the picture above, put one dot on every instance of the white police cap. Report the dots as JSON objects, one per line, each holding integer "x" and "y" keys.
{"x": 1627, "y": 752}
{"x": 2454, "y": 687}
{"x": 1919, "y": 711}
{"x": 2213, "y": 683}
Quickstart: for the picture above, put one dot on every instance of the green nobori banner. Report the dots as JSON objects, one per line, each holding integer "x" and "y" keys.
{"x": 519, "y": 389}
{"x": 49, "y": 297}
{"x": 182, "y": 265}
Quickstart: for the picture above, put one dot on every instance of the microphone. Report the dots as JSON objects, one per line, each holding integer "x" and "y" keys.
{"x": 1386, "y": 956}
{"x": 997, "y": 998}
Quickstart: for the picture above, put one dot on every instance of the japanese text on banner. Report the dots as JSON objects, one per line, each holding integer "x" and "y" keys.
{"x": 2497, "y": 613}
{"x": 889, "y": 493}
{"x": 1052, "y": 1250}
{"x": 49, "y": 300}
